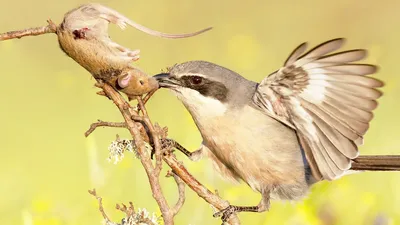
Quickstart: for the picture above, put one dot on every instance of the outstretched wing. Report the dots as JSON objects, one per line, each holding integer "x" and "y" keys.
{"x": 327, "y": 99}
{"x": 96, "y": 18}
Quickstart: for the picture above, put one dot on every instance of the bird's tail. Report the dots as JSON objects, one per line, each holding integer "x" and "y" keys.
{"x": 376, "y": 163}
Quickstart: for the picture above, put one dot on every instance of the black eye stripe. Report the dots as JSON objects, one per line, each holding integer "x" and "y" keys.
{"x": 206, "y": 87}
{"x": 189, "y": 81}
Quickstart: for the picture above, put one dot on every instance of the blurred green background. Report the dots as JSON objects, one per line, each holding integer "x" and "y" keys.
{"x": 48, "y": 102}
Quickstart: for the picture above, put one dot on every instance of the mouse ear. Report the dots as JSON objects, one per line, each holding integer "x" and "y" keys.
{"x": 123, "y": 80}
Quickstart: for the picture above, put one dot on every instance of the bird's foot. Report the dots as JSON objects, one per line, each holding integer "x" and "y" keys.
{"x": 231, "y": 209}
{"x": 167, "y": 147}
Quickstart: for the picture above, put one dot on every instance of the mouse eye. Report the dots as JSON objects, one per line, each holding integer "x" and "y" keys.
{"x": 196, "y": 80}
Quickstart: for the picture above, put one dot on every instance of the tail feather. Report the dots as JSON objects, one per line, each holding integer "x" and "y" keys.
{"x": 377, "y": 163}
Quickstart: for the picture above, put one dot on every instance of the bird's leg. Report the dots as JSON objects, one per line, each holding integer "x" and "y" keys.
{"x": 261, "y": 207}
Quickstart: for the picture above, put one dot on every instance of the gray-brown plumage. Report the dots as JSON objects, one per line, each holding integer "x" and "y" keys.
{"x": 83, "y": 35}
{"x": 327, "y": 99}
{"x": 301, "y": 124}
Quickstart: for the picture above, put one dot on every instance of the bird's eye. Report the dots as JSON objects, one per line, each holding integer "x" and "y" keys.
{"x": 196, "y": 80}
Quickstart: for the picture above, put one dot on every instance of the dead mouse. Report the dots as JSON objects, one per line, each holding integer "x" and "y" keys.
{"x": 83, "y": 36}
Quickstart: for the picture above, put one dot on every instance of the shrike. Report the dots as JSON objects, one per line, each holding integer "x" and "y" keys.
{"x": 300, "y": 125}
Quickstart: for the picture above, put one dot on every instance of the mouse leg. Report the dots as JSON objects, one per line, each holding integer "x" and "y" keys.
{"x": 126, "y": 53}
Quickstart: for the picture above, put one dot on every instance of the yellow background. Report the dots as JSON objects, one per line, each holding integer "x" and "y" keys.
{"x": 47, "y": 102}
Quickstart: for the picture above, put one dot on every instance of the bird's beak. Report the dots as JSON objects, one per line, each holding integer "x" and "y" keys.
{"x": 165, "y": 80}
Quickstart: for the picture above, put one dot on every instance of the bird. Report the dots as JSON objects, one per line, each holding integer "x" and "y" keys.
{"x": 300, "y": 125}
{"x": 83, "y": 36}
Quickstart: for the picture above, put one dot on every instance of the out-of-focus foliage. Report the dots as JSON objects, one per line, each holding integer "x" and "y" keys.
{"x": 47, "y": 102}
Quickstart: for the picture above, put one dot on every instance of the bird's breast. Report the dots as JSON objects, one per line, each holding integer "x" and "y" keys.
{"x": 258, "y": 148}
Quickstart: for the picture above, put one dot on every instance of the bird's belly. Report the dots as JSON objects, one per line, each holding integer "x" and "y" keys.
{"x": 257, "y": 149}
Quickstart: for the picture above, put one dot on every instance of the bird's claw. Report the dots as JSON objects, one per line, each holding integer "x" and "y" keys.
{"x": 167, "y": 147}
{"x": 167, "y": 143}
{"x": 225, "y": 213}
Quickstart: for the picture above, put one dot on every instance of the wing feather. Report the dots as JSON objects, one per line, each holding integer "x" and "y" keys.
{"x": 328, "y": 99}
{"x": 296, "y": 54}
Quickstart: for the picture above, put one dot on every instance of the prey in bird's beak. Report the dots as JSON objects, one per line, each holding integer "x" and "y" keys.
{"x": 165, "y": 80}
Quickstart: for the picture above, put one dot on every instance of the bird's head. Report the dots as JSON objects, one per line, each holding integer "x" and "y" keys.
{"x": 206, "y": 88}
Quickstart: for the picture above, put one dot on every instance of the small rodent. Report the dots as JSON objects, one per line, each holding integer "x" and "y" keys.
{"x": 134, "y": 82}
{"x": 83, "y": 36}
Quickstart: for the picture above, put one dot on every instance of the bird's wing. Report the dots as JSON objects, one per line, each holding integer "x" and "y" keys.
{"x": 327, "y": 99}
{"x": 97, "y": 17}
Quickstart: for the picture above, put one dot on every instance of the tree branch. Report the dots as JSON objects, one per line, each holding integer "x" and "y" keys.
{"x": 51, "y": 28}
{"x": 181, "y": 193}
{"x": 128, "y": 113}
{"x": 155, "y": 137}
{"x": 200, "y": 189}
{"x": 142, "y": 130}
{"x": 100, "y": 123}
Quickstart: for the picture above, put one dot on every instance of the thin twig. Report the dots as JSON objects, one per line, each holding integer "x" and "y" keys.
{"x": 129, "y": 211}
{"x": 154, "y": 135}
{"x": 181, "y": 193}
{"x": 100, "y": 123}
{"x": 146, "y": 98}
{"x": 28, "y": 32}
{"x": 101, "y": 208}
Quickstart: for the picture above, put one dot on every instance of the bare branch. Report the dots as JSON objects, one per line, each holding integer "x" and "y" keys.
{"x": 142, "y": 130}
{"x": 200, "y": 189}
{"x": 154, "y": 135}
{"x": 127, "y": 112}
{"x": 100, "y": 123}
{"x": 51, "y": 28}
{"x": 181, "y": 192}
